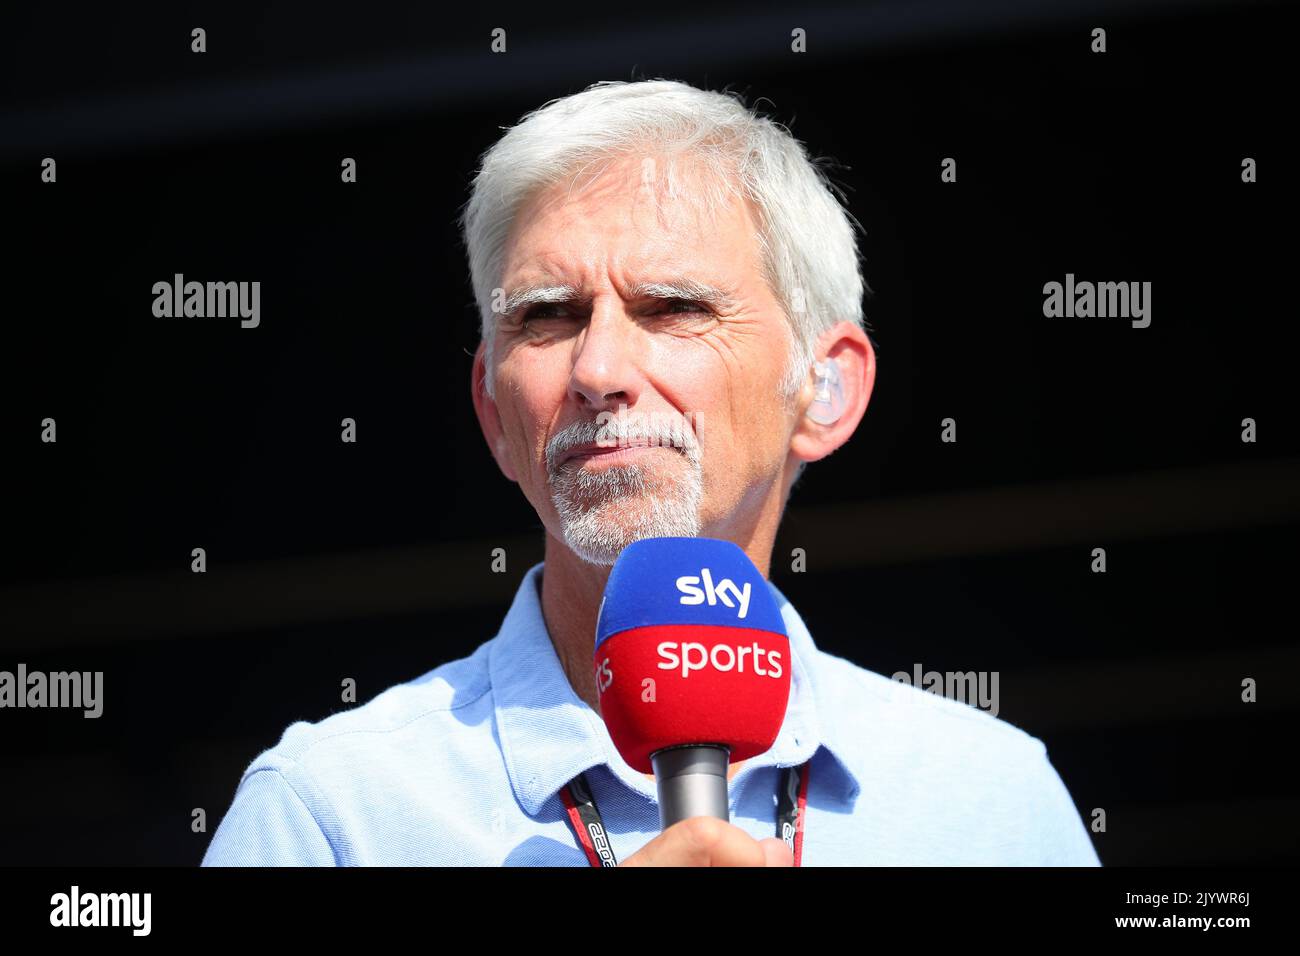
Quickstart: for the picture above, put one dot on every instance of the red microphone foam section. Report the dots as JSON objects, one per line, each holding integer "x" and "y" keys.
{"x": 665, "y": 685}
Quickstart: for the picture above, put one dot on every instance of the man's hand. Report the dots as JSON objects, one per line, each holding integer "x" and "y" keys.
{"x": 708, "y": 841}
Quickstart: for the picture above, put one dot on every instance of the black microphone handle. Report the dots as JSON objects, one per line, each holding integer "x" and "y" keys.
{"x": 692, "y": 782}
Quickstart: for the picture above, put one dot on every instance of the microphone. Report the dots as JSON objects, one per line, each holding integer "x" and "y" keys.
{"x": 692, "y": 667}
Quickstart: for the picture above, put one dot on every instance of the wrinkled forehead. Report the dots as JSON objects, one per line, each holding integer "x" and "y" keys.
{"x": 638, "y": 209}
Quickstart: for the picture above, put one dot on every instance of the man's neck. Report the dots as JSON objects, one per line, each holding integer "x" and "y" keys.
{"x": 571, "y": 593}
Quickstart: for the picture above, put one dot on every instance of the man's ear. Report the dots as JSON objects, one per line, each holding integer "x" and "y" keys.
{"x": 849, "y": 346}
{"x": 489, "y": 420}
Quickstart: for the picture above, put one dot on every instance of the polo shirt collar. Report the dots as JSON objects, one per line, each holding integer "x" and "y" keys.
{"x": 549, "y": 735}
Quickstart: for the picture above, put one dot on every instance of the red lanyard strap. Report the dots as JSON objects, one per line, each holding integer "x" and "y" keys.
{"x": 791, "y": 807}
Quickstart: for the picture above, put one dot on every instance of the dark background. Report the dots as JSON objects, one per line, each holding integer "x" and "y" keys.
{"x": 372, "y": 561}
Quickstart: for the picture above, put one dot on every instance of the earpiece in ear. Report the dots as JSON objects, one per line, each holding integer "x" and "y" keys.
{"x": 828, "y": 401}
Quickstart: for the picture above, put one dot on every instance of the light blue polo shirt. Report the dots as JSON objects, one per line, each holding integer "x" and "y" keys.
{"x": 464, "y": 766}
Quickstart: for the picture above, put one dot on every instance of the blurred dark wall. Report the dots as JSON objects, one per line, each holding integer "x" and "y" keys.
{"x": 372, "y": 560}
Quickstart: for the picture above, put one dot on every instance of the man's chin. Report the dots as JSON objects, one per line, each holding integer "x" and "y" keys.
{"x": 599, "y": 534}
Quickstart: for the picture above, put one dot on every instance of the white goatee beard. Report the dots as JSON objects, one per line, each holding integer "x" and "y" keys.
{"x": 602, "y": 512}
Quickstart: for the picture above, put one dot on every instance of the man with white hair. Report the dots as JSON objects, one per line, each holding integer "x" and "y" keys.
{"x": 672, "y": 328}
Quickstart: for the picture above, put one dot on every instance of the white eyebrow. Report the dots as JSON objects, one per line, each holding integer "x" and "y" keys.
{"x": 682, "y": 288}
{"x": 687, "y": 289}
{"x": 533, "y": 294}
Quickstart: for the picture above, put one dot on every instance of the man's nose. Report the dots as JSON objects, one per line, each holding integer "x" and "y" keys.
{"x": 606, "y": 369}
